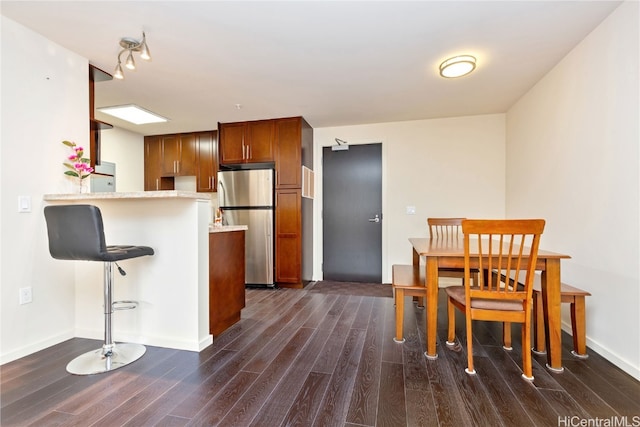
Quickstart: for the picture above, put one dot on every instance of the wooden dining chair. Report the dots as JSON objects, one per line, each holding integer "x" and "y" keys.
{"x": 500, "y": 250}
{"x": 447, "y": 229}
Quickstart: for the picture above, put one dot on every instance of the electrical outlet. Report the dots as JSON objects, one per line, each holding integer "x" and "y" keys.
{"x": 26, "y": 295}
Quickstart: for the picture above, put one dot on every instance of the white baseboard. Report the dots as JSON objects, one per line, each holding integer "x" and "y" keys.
{"x": 156, "y": 341}
{"x": 35, "y": 347}
{"x": 626, "y": 366}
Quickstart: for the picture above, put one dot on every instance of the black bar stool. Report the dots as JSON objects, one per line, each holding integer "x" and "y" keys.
{"x": 76, "y": 232}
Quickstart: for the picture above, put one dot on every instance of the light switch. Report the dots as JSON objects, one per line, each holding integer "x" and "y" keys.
{"x": 24, "y": 204}
{"x": 411, "y": 210}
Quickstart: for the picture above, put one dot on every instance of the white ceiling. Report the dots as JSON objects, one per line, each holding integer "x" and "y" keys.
{"x": 334, "y": 62}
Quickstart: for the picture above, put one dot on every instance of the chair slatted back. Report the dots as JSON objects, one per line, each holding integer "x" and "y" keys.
{"x": 505, "y": 253}
{"x": 440, "y": 228}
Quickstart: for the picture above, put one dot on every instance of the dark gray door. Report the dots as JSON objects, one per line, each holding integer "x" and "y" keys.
{"x": 352, "y": 213}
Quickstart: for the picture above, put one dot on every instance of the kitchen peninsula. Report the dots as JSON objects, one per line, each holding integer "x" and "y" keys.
{"x": 171, "y": 287}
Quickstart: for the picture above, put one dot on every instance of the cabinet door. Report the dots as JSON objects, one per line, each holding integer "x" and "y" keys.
{"x": 231, "y": 144}
{"x": 259, "y": 141}
{"x": 186, "y": 165}
{"x": 288, "y": 237}
{"x": 207, "y": 161}
{"x": 152, "y": 163}
{"x": 288, "y": 153}
{"x": 170, "y": 146}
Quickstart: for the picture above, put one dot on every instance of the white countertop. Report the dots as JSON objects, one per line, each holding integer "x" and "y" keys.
{"x": 166, "y": 194}
{"x": 226, "y": 228}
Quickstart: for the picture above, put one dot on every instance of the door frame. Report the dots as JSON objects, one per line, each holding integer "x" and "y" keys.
{"x": 318, "y": 224}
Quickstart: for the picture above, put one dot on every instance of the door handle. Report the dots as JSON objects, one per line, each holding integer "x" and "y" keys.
{"x": 375, "y": 219}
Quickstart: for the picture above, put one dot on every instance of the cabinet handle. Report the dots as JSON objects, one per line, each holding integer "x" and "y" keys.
{"x": 248, "y": 152}
{"x": 177, "y": 166}
{"x": 157, "y": 184}
{"x": 243, "y": 151}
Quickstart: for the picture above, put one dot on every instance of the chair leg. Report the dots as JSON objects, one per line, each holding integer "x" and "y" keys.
{"x": 527, "y": 372}
{"x": 111, "y": 356}
{"x": 578, "y": 327}
{"x": 469, "y": 369}
{"x": 506, "y": 336}
{"x": 399, "y": 315}
{"x": 451, "y": 328}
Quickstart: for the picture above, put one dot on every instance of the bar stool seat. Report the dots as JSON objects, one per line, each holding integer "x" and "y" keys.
{"x": 76, "y": 232}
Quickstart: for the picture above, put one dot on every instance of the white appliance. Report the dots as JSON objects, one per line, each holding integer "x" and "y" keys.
{"x": 103, "y": 179}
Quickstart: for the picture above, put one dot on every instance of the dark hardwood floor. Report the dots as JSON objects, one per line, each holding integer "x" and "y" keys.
{"x": 313, "y": 359}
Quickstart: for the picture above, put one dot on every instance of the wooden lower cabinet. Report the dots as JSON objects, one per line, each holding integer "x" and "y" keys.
{"x": 226, "y": 279}
{"x": 288, "y": 262}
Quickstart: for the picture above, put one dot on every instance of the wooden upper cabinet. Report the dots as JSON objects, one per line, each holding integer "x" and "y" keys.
{"x": 181, "y": 154}
{"x": 260, "y": 141}
{"x": 152, "y": 163}
{"x": 288, "y": 153}
{"x": 178, "y": 154}
{"x": 188, "y": 155}
{"x": 246, "y": 142}
{"x": 154, "y": 179}
{"x": 169, "y": 153}
{"x": 207, "y": 161}
{"x": 231, "y": 146}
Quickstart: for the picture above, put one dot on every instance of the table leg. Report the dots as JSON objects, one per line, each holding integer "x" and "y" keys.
{"x": 416, "y": 261}
{"x": 551, "y": 305}
{"x": 432, "y": 306}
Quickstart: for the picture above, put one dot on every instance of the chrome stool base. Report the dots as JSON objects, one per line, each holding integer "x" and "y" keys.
{"x": 96, "y": 362}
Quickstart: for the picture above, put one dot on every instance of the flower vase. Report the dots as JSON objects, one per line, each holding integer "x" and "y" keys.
{"x": 82, "y": 186}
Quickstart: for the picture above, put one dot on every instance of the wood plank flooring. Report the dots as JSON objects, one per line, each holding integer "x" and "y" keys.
{"x": 300, "y": 358}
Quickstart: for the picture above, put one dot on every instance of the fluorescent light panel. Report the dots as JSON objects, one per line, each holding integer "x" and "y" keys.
{"x": 133, "y": 114}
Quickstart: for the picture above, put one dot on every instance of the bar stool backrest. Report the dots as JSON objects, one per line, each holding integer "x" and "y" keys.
{"x": 76, "y": 232}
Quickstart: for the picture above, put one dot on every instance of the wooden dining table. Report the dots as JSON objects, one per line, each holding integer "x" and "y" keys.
{"x": 449, "y": 253}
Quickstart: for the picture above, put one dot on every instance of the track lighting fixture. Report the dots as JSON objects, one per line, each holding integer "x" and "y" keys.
{"x": 131, "y": 45}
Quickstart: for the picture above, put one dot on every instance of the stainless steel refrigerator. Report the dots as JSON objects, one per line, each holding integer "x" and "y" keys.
{"x": 245, "y": 197}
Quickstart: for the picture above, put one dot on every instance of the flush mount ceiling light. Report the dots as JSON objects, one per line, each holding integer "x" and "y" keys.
{"x": 131, "y": 45}
{"x": 458, "y": 66}
{"x": 133, "y": 114}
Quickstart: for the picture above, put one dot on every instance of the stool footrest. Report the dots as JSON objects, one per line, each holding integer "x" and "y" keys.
{"x": 124, "y": 305}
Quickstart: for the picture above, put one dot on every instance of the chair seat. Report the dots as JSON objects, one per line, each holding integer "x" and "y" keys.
{"x": 120, "y": 252}
{"x": 457, "y": 293}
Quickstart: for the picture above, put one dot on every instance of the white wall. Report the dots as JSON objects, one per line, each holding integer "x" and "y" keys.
{"x": 45, "y": 100}
{"x": 126, "y": 150}
{"x": 443, "y": 167}
{"x": 573, "y": 158}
